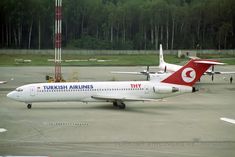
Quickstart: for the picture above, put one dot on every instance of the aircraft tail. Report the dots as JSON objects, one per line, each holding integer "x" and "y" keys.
{"x": 190, "y": 73}
{"x": 161, "y": 59}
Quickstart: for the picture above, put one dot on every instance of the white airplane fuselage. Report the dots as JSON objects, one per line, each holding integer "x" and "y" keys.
{"x": 117, "y": 92}
{"x": 164, "y": 66}
{"x": 89, "y": 91}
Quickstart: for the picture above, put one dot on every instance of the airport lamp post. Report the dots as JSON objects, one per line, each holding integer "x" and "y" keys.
{"x": 58, "y": 39}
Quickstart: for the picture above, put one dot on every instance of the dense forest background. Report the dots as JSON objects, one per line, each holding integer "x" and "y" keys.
{"x": 119, "y": 24}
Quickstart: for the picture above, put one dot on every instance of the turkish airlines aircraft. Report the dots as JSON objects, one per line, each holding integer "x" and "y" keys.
{"x": 179, "y": 82}
{"x": 167, "y": 67}
{"x": 173, "y": 67}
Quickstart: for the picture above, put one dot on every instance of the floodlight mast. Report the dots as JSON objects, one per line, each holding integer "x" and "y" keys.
{"x": 58, "y": 39}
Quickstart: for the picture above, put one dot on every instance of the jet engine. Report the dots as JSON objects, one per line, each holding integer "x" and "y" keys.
{"x": 165, "y": 89}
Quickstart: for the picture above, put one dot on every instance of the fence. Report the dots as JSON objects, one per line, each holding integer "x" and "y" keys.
{"x": 110, "y": 52}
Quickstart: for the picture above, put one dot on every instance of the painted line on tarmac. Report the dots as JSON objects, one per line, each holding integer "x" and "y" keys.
{"x": 78, "y": 124}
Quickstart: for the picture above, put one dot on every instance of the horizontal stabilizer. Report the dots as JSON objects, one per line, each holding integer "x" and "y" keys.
{"x": 208, "y": 62}
{"x": 228, "y": 120}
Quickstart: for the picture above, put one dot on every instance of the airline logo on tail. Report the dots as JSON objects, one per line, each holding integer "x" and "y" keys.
{"x": 188, "y": 75}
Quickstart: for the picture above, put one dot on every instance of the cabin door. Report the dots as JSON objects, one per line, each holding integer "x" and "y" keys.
{"x": 146, "y": 89}
{"x": 32, "y": 91}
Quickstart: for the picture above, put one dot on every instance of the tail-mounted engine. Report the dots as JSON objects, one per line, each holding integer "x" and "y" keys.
{"x": 165, "y": 89}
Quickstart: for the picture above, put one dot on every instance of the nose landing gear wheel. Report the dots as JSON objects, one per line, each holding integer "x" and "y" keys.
{"x": 29, "y": 106}
{"x": 115, "y": 104}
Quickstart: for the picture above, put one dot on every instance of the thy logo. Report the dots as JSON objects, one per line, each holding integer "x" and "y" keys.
{"x": 188, "y": 75}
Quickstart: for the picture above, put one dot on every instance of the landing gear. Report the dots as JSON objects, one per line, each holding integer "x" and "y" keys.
{"x": 29, "y": 106}
{"x": 115, "y": 104}
{"x": 119, "y": 104}
{"x": 122, "y": 106}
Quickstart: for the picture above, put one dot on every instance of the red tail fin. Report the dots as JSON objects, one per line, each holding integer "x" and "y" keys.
{"x": 190, "y": 73}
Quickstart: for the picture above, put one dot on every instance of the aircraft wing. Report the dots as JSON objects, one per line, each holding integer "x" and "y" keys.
{"x": 120, "y": 98}
{"x": 228, "y": 120}
{"x": 133, "y": 73}
{"x": 3, "y": 82}
{"x": 126, "y": 72}
{"x": 226, "y": 72}
{"x": 145, "y": 73}
{"x": 219, "y": 72}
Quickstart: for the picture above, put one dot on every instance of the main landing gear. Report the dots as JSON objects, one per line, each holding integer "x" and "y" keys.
{"x": 29, "y": 106}
{"x": 119, "y": 104}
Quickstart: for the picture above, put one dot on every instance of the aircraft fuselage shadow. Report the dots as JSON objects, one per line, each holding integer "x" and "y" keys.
{"x": 146, "y": 109}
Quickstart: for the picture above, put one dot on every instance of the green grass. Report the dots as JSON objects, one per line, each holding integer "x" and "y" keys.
{"x": 115, "y": 60}
{"x": 225, "y": 58}
{"x": 213, "y": 56}
{"x": 229, "y": 61}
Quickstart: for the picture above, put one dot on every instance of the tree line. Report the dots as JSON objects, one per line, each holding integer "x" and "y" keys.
{"x": 119, "y": 24}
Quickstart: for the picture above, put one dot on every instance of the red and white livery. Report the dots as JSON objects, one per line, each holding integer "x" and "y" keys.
{"x": 179, "y": 82}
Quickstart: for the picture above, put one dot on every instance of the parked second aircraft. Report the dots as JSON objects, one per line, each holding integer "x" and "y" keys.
{"x": 168, "y": 67}
{"x": 174, "y": 67}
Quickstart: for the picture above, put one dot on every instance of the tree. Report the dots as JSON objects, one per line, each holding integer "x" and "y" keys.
{"x": 120, "y": 24}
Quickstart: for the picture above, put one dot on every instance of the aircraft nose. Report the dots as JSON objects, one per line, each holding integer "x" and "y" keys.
{"x": 11, "y": 95}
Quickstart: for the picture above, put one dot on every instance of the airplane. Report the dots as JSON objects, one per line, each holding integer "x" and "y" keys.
{"x": 167, "y": 67}
{"x": 176, "y": 83}
{"x": 173, "y": 67}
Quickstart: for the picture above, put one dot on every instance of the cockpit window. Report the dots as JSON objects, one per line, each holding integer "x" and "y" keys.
{"x": 19, "y": 89}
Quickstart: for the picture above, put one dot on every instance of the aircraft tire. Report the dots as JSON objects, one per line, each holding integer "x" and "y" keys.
{"x": 115, "y": 104}
{"x": 29, "y": 106}
{"x": 122, "y": 106}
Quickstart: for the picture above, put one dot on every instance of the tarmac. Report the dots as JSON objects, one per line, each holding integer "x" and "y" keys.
{"x": 185, "y": 125}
